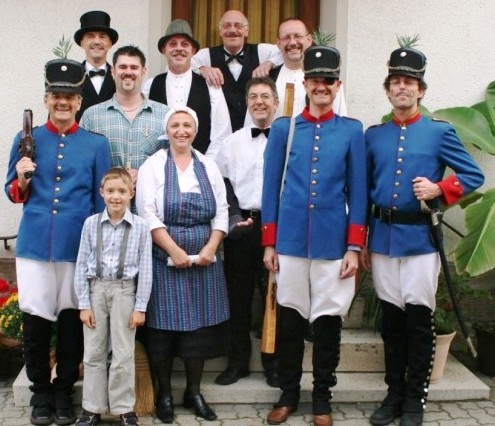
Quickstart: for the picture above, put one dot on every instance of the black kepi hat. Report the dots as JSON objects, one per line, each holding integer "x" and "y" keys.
{"x": 407, "y": 61}
{"x": 64, "y": 75}
{"x": 321, "y": 61}
{"x": 95, "y": 20}
{"x": 178, "y": 27}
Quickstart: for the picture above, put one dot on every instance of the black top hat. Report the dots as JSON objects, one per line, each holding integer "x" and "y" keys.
{"x": 322, "y": 61}
{"x": 178, "y": 27}
{"x": 407, "y": 61}
{"x": 95, "y": 21}
{"x": 64, "y": 75}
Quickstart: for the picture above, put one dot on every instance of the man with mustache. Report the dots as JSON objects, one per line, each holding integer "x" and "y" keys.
{"x": 179, "y": 86}
{"x": 131, "y": 122}
{"x": 293, "y": 40}
{"x": 313, "y": 211}
{"x": 407, "y": 159}
{"x": 96, "y": 37}
{"x": 233, "y": 63}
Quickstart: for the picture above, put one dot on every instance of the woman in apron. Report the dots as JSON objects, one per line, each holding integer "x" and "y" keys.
{"x": 181, "y": 194}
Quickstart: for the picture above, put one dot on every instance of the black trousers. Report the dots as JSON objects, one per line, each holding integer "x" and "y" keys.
{"x": 244, "y": 272}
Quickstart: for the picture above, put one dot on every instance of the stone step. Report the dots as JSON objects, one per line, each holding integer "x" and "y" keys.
{"x": 457, "y": 384}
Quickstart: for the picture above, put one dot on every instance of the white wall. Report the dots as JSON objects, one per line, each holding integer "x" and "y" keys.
{"x": 29, "y": 29}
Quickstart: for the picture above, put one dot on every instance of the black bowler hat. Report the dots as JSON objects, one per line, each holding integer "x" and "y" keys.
{"x": 95, "y": 21}
{"x": 322, "y": 61}
{"x": 407, "y": 61}
{"x": 178, "y": 27}
{"x": 64, "y": 75}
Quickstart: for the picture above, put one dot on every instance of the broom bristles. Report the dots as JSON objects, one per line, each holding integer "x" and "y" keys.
{"x": 145, "y": 398}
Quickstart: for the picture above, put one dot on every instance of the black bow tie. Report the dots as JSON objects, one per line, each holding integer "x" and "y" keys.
{"x": 255, "y": 131}
{"x": 101, "y": 72}
{"x": 239, "y": 56}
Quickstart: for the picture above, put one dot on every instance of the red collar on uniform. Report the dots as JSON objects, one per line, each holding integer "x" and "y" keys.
{"x": 409, "y": 121}
{"x": 52, "y": 128}
{"x": 325, "y": 117}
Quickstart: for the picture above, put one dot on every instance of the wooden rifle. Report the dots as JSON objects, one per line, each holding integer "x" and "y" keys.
{"x": 269, "y": 334}
{"x": 289, "y": 100}
{"x": 26, "y": 144}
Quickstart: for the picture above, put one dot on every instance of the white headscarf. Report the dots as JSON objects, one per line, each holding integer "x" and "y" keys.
{"x": 173, "y": 111}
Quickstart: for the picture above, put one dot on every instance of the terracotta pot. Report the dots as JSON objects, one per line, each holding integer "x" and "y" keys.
{"x": 441, "y": 354}
{"x": 7, "y": 342}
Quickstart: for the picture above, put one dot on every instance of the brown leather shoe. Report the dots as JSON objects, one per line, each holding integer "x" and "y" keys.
{"x": 323, "y": 420}
{"x": 279, "y": 415}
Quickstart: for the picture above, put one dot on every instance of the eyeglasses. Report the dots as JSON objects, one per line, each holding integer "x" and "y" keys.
{"x": 287, "y": 38}
{"x": 254, "y": 96}
{"x": 236, "y": 25}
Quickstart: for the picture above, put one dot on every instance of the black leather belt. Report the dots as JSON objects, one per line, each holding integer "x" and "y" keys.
{"x": 253, "y": 214}
{"x": 393, "y": 216}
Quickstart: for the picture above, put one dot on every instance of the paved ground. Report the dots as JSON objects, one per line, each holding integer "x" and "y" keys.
{"x": 469, "y": 413}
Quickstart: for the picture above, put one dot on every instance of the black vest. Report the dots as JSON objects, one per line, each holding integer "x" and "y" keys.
{"x": 89, "y": 95}
{"x": 235, "y": 91}
{"x": 198, "y": 100}
{"x": 274, "y": 72}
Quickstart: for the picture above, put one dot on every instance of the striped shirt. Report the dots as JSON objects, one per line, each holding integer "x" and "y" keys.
{"x": 137, "y": 256}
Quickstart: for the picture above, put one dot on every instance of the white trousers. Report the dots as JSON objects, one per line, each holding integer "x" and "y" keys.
{"x": 45, "y": 288}
{"x": 112, "y": 303}
{"x": 313, "y": 287}
{"x": 409, "y": 279}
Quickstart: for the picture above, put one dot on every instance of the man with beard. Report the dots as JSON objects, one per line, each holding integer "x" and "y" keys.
{"x": 313, "y": 212}
{"x": 293, "y": 40}
{"x": 407, "y": 159}
{"x": 131, "y": 122}
{"x": 96, "y": 37}
{"x": 233, "y": 63}
{"x": 179, "y": 86}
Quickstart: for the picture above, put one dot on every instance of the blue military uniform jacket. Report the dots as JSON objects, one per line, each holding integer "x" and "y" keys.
{"x": 399, "y": 152}
{"x": 63, "y": 192}
{"x": 323, "y": 205}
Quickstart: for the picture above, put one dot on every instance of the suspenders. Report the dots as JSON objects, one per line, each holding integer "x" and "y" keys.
{"x": 123, "y": 249}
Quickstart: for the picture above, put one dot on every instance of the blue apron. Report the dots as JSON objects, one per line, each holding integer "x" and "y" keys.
{"x": 185, "y": 299}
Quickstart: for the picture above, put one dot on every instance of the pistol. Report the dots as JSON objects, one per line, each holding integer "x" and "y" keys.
{"x": 26, "y": 144}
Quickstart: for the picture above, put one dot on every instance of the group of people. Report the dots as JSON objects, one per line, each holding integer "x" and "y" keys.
{"x": 136, "y": 183}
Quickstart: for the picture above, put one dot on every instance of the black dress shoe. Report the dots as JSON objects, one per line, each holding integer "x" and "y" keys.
{"x": 201, "y": 408}
{"x": 42, "y": 415}
{"x": 165, "y": 409}
{"x": 231, "y": 375}
{"x": 64, "y": 416}
{"x": 385, "y": 415}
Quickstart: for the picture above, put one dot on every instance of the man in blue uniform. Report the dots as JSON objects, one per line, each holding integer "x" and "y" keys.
{"x": 312, "y": 230}
{"x": 61, "y": 193}
{"x": 407, "y": 157}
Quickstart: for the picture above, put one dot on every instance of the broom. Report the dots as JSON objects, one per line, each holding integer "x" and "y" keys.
{"x": 145, "y": 398}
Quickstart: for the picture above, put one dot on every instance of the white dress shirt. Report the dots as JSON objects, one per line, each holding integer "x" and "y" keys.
{"x": 97, "y": 80}
{"x": 240, "y": 159}
{"x": 266, "y": 52}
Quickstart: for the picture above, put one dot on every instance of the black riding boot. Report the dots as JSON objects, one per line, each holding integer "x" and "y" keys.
{"x": 395, "y": 347}
{"x": 326, "y": 356}
{"x": 421, "y": 351}
{"x": 290, "y": 350}
{"x": 36, "y": 341}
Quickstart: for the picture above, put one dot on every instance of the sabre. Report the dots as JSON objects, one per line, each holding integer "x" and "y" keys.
{"x": 436, "y": 220}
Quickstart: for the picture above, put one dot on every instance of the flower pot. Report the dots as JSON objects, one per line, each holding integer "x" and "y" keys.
{"x": 485, "y": 339}
{"x": 443, "y": 342}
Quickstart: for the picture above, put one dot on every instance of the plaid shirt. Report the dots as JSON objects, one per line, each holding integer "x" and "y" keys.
{"x": 130, "y": 140}
{"x": 137, "y": 257}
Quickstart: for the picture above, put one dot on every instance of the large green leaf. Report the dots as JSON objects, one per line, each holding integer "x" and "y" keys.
{"x": 474, "y": 253}
{"x": 483, "y": 108}
{"x": 490, "y": 104}
{"x": 471, "y": 127}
